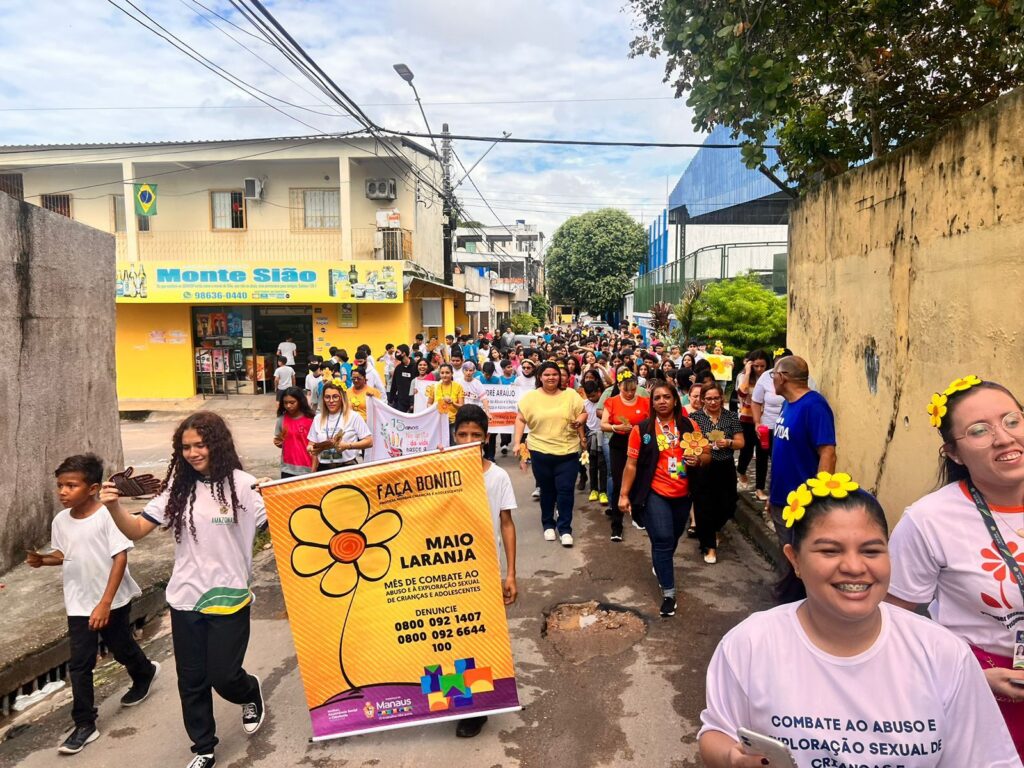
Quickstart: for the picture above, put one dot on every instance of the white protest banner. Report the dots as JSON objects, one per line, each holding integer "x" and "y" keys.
{"x": 419, "y": 394}
{"x": 396, "y": 433}
{"x": 503, "y": 400}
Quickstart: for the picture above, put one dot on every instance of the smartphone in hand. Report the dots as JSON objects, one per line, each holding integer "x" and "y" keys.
{"x": 778, "y": 754}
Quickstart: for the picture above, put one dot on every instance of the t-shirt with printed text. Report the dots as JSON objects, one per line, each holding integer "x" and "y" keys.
{"x": 804, "y": 426}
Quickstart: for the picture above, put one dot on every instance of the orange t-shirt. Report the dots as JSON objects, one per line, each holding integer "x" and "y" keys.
{"x": 669, "y": 478}
{"x": 634, "y": 413}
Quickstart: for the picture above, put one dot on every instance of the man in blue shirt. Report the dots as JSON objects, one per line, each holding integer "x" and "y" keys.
{"x": 804, "y": 441}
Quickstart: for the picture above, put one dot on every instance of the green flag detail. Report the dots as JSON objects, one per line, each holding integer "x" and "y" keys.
{"x": 145, "y": 199}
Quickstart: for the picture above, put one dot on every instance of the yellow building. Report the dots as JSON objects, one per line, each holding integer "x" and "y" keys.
{"x": 334, "y": 241}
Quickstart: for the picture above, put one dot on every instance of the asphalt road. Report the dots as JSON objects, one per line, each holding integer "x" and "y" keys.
{"x": 634, "y": 706}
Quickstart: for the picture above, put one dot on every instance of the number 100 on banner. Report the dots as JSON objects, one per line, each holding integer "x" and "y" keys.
{"x": 391, "y": 577}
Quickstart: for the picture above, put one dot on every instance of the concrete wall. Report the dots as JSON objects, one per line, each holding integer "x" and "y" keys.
{"x": 57, "y": 323}
{"x": 905, "y": 274}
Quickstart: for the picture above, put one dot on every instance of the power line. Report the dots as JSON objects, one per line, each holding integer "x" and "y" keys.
{"x": 574, "y": 142}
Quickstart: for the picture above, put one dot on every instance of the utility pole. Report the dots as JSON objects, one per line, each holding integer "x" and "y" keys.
{"x": 447, "y": 209}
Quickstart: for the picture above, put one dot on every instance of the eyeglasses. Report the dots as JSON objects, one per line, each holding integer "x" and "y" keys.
{"x": 982, "y": 434}
{"x": 715, "y": 399}
{"x": 773, "y": 373}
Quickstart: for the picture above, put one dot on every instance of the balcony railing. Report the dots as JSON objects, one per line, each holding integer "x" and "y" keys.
{"x": 269, "y": 245}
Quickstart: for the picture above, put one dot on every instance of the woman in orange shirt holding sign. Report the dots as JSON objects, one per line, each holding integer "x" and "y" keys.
{"x": 660, "y": 452}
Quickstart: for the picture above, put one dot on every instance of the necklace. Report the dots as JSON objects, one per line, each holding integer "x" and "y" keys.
{"x": 1018, "y": 531}
{"x": 223, "y": 509}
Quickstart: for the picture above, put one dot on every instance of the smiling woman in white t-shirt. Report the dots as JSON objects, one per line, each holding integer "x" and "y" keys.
{"x": 209, "y": 504}
{"x": 841, "y": 678}
{"x": 951, "y": 550}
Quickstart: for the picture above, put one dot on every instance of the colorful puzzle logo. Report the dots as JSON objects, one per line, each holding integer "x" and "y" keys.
{"x": 456, "y": 690}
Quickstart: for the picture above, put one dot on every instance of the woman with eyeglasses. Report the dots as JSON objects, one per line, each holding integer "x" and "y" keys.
{"x": 715, "y": 497}
{"x": 960, "y": 549}
{"x": 339, "y": 435}
{"x": 525, "y": 377}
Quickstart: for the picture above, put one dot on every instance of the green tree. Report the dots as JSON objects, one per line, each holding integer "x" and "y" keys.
{"x": 840, "y": 81}
{"x": 540, "y": 307}
{"x": 742, "y": 313}
{"x": 686, "y": 311}
{"x": 523, "y": 322}
{"x": 592, "y": 258}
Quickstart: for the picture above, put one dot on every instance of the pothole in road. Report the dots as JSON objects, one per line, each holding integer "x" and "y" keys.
{"x": 581, "y": 631}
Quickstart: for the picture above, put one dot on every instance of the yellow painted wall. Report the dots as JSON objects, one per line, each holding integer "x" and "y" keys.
{"x": 905, "y": 274}
{"x": 378, "y": 324}
{"x": 146, "y": 368}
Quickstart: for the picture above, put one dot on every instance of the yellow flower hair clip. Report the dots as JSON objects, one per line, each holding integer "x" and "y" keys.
{"x": 623, "y": 375}
{"x": 961, "y": 385}
{"x": 937, "y": 409}
{"x": 796, "y": 505}
{"x": 838, "y": 486}
{"x": 779, "y": 351}
{"x": 339, "y": 384}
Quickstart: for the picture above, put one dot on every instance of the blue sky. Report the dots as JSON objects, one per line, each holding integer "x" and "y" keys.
{"x": 535, "y": 55}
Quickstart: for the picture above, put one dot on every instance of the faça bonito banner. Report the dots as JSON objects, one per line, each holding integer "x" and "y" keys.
{"x": 391, "y": 578}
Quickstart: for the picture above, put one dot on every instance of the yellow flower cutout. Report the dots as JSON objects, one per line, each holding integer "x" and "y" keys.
{"x": 961, "y": 385}
{"x": 717, "y": 364}
{"x": 694, "y": 443}
{"x": 341, "y": 542}
{"x": 796, "y": 505}
{"x": 779, "y": 351}
{"x": 623, "y": 375}
{"x": 662, "y": 443}
{"x": 937, "y": 409}
{"x": 340, "y": 384}
{"x": 838, "y": 486}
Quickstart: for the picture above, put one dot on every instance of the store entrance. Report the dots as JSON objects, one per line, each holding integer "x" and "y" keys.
{"x": 275, "y": 324}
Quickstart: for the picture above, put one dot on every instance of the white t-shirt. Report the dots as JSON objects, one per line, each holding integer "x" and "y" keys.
{"x": 764, "y": 395}
{"x": 212, "y": 572}
{"x": 373, "y": 377}
{"x": 499, "y": 496}
{"x": 474, "y": 392}
{"x": 285, "y": 377}
{"x": 942, "y": 554}
{"x": 593, "y": 417}
{"x": 327, "y": 426}
{"x": 286, "y": 349}
{"x": 313, "y": 388}
{"x": 88, "y": 545}
{"x": 916, "y": 698}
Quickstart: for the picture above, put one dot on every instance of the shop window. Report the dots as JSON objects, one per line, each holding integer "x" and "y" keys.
{"x": 142, "y": 222}
{"x": 227, "y": 210}
{"x": 57, "y": 203}
{"x": 13, "y": 185}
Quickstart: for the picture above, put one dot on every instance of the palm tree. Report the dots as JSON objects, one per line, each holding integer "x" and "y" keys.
{"x": 687, "y": 309}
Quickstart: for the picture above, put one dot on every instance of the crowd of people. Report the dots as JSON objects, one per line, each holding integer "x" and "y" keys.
{"x": 658, "y": 440}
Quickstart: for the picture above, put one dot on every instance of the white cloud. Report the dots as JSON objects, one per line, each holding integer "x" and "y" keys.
{"x": 85, "y": 53}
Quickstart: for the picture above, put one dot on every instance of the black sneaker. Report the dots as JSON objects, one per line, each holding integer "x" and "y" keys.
{"x": 76, "y": 741}
{"x": 470, "y": 727}
{"x": 139, "y": 691}
{"x": 616, "y": 534}
{"x": 582, "y": 484}
{"x": 202, "y": 761}
{"x": 668, "y": 606}
{"x": 254, "y": 712}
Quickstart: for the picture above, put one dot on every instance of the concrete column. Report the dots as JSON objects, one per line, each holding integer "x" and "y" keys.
{"x": 131, "y": 224}
{"x": 345, "y": 205}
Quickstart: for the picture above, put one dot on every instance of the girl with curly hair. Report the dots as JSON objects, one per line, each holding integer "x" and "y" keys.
{"x": 209, "y": 504}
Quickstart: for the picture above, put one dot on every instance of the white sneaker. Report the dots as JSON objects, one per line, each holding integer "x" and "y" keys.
{"x": 566, "y": 539}
{"x": 711, "y": 557}
{"x": 535, "y": 494}
{"x": 549, "y": 534}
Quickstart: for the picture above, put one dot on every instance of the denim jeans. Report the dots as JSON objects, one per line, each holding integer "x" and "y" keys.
{"x": 665, "y": 519}
{"x": 608, "y": 462}
{"x": 556, "y": 478}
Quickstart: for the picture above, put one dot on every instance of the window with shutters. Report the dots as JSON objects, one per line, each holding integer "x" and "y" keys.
{"x": 227, "y": 210}
{"x": 13, "y": 184}
{"x": 57, "y": 203}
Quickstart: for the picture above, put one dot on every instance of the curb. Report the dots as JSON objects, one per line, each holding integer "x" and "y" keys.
{"x": 749, "y": 520}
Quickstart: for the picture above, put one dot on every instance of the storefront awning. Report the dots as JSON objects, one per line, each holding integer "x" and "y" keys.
{"x": 435, "y": 288}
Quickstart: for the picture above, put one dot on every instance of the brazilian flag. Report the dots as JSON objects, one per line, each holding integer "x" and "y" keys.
{"x": 145, "y": 199}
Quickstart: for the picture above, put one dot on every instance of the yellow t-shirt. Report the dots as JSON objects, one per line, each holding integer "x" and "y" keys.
{"x": 441, "y": 391}
{"x": 550, "y": 418}
{"x": 358, "y": 399}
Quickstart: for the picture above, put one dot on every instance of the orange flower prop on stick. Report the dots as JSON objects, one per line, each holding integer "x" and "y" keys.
{"x": 694, "y": 443}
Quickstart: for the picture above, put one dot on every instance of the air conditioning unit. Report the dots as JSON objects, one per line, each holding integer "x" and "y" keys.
{"x": 381, "y": 189}
{"x": 253, "y": 189}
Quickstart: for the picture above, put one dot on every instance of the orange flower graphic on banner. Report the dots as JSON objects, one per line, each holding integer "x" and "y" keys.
{"x": 993, "y": 563}
{"x": 341, "y": 542}
{"x": 693, "y": 443}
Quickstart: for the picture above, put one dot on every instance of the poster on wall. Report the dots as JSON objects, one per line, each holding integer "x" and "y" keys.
{"x": 348, "y": 315}
{"x": 183, "y": 282}
{"x": 391, "y": 579}
{"x": 396, "y": 433}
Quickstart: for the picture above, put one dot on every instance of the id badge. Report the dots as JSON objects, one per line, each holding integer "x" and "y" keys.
{"x": 1018, "y": 650}
{"x": 677, "y": 469}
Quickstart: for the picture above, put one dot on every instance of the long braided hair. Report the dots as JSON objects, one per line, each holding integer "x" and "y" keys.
{"x": 182, "y": 478}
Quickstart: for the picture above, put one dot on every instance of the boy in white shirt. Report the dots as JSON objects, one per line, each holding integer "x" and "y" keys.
{"x": 471, "y": 427}
{"x": 284, "y": 377}
{"x": 313, "y": 385}
{"x": 98, "y": 590}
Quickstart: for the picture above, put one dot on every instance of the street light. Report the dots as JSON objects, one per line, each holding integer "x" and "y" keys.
{"x": 406, "y": 74}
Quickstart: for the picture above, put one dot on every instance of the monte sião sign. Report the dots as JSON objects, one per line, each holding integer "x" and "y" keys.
{"x": 181, "y": 282}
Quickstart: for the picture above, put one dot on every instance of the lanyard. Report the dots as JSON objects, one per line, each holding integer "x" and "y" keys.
{"x": 997, "y": 536}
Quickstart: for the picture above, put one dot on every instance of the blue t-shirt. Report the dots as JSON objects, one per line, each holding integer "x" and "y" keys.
{"x": 493, "y": 381}
{"x": 469, "y": 351}
{"x": 803, "y": 426}
{"x": 506, "y": 380}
